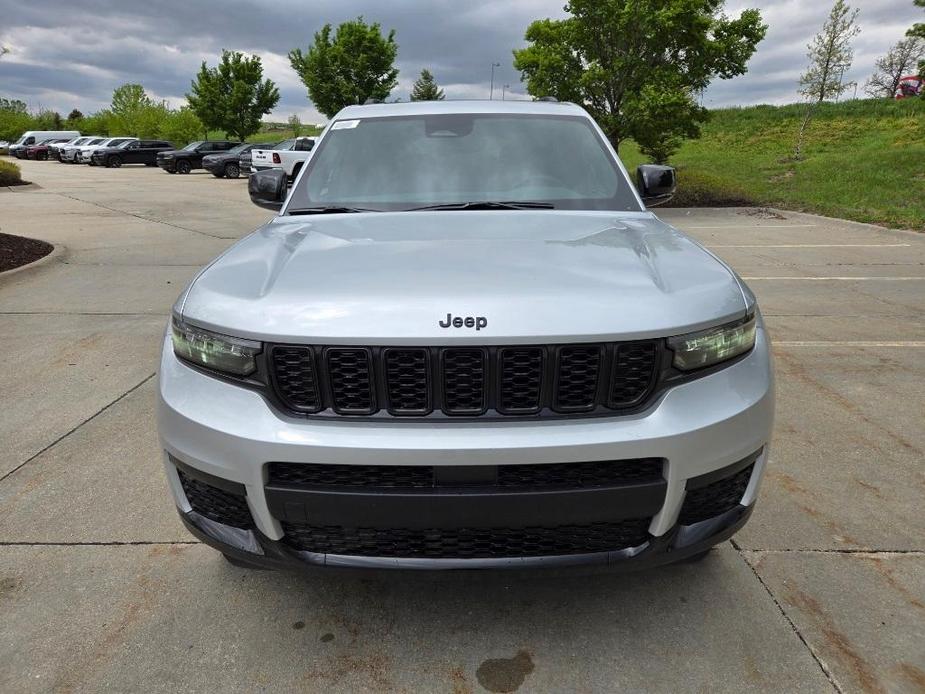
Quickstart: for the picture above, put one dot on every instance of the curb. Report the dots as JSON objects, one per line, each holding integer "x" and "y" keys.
{"x": 21, "y": 188}
{"x": 56, "y": 253}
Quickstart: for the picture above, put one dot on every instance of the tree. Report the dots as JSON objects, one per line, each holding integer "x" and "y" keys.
{"x": 128, "y": 105}
{"x": 830, "y": 56}
{"x": 295, "y": 124}
{"x": 918, "y": 31}
{"x": 425, "y": 88}
{"x": 14, "y": 105}
{"x": 181, "y": 126}
{"x": 74, "y": 116}
{"x": 902, "y": 59}
{"x": 354, "y": 65}
{"x": 233, "y": 96}
{"x": 636, "y": 65}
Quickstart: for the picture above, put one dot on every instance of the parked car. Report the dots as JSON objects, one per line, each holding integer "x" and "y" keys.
{"x": 67, "y": 154}
{"x": 190, "y": 157}
{"x": 85, "y": 153}
{"x": 290, "y": 156}
{"x": 465, "y": 343}
{"x": 54, "y": 150}
{"x": 39, "y": 151}
{"x": 31, "y": 137}
{"x": 4, "y": 147}
{"x": 227, "y": 164}
{"x": 130, "y": 152}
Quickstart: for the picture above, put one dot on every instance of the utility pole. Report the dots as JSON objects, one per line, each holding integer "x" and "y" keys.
{"x": 491, "y": 93}
{"x": 504, "y": 88}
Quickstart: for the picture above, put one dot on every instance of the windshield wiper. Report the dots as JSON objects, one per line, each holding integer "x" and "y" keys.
{"x": 488, "y": 205}
{"x": 329, "y": 209}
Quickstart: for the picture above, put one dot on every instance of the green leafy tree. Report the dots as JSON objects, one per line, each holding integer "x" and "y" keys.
{"x": 48, "y": 120}
{"x": 233, "y": 96}
{"x": 918, "y": 31}
{"x": 14, "y": 119}
{"x": 425, "y": 88}
{"x": 181, "y": 126}
{"x": 353, "y": 65}
{"x": 14, "y": 105}
{"x": 129, "y": 103}
{"x": 75, "y": 120}
{"x": 636, "y": 65}
{"x": 97, "y": 123}
{"x": 295, "y": 124}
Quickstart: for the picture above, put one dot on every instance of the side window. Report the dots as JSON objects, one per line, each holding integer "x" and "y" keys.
{"x": 29, "y": 141}
{"x": 305, "y": 145}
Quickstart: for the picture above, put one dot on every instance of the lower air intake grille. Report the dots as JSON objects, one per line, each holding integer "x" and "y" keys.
{"x": 467, "y": 543}
{"x": 216, "y": 504}
{"x": 714, "y": 499}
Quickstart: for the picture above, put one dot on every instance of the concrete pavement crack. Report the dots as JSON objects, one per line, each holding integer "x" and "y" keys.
{"x": 71, "y": 431}
{"x": 822, "y": 666}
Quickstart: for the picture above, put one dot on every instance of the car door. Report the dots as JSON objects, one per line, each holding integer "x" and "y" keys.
{"x": 203, "y": 149}
{"x": 132, "y": 153}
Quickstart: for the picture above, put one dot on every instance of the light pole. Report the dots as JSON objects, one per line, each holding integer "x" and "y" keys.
{"x": 504, "y": 88}
{"x": 491, "y": 93}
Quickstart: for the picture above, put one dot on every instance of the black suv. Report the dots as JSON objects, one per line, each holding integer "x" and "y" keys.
{"x": 131, "y": 152}
{"x": 228, "y": 164}
{"x": 190, "y": 157}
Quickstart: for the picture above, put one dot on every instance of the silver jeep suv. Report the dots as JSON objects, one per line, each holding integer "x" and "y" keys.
{"x": 464, "y": 342}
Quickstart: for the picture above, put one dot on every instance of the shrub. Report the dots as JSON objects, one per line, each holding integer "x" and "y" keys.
{"x": 10, "y": 174}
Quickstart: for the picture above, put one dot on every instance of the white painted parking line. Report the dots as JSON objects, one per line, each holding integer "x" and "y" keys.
{"x": 841, "y": 279}
{"x": 813, "y": 245}
{"x": 847, "y": 343}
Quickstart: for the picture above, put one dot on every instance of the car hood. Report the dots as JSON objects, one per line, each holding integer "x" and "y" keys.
{"x": 534, "y": 276}
{"x": 166, "y": 152}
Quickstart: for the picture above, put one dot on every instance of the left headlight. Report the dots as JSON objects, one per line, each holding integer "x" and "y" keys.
{"x": 222, "y": 353}
{"x": 708, "y": 347}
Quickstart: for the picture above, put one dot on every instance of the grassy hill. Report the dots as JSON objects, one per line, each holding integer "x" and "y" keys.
{"x": 862, "y": 160}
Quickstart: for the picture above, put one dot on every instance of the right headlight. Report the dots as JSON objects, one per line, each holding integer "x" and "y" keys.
{"x": 222, "y": 353}
{"x": 708, "y": 347}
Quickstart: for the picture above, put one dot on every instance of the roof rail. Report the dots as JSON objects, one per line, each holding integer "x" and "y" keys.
{"x": 548, "y": 98}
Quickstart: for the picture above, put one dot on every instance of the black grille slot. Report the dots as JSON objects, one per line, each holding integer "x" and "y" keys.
{"x": 464, "y": 381}
{"x": 520, "y": 380}
{"x": 296, "y": 378}
{"x": 467, "y": 543}
{"x": 633, "y": 373}
{"x": 407, "y": 374}
{"x": 216, "y": 504}
{"x": 577, "y": 375}
{"x": 716, "y": 498}
{"x": 351, "y": 381}
{"x": 603, "y": 473}
{"x": 606, "y": 473}
{"x": 380, "y": 476}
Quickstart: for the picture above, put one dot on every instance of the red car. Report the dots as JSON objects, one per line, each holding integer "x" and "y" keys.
{"x": 910, "y": 86}
{"x": 39, "y": 151}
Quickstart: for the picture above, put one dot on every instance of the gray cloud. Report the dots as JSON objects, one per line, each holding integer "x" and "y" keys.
{"x": 67, "y": 55}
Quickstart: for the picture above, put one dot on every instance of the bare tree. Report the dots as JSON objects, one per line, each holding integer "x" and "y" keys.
{"x": 830, "y": 56}
{"x": 901, "y": 60}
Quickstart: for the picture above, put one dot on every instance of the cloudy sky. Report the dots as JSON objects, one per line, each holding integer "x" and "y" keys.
{"x": 66, "y": 54}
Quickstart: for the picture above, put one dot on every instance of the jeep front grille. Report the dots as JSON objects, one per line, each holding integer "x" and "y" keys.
{"x": 531, "y": 380}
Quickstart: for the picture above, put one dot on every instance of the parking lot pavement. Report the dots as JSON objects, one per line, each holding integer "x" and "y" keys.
{"x": 102, "y": 589}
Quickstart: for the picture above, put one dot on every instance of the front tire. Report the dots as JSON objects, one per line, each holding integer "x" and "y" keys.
{"x": 114, "y": 162}
{"x": 183, "y": 167}
{"x": 42, "y": 157}
{"x": 232, "y": 170}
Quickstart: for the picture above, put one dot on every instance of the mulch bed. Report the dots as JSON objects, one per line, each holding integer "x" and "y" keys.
{"x": 17, "y": 250}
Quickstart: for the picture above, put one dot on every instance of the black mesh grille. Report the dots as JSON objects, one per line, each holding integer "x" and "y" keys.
{"x": 216, "y": 504}
{"x": 633, "y": 373}
{"x": 407, "y": 376}
{"x": 521, "y": 380}
{"x": 714, "y": 499}
{"x": 296, "y": 378}
{"x": 577, "y": 378}
{"x": 351, "y": 382}
{"x": 467, "y": 543}
{"x": 605, "y": 473}
{"x": 530, "y": 380}
{"x": 464, "y": 381}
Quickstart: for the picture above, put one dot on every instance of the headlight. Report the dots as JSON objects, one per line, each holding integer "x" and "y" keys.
{"x": 229, "y": 355}
{"x": 708, "y": 347}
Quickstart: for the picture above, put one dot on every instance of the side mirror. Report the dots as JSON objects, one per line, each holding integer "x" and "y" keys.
{"x": 656, "y": 183}
{"x": 268, "y": 188}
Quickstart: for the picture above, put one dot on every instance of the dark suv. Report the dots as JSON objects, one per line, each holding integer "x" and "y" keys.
{"x": 131, "y": 152}
{"x": 228, "y": 164}
{"x": 190, "y": 157}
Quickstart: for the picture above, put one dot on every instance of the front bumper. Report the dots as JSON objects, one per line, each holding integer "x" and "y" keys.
{"x": 167, "y": 164}
{"x": 697, "y": 428}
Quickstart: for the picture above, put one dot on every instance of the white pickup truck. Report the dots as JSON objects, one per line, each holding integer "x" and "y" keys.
{"x": 288, "y": 155}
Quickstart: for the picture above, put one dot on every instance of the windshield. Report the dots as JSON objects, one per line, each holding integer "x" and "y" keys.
{"x": 191, "y": 146}
{"x": 405, "y": 162}
{"x": 126, "y": 144}
{"x": 238, "y": 149}
{"x": 284, "y": 145}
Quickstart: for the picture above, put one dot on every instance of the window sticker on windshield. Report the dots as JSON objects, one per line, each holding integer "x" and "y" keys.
{"x": 345, "y": 124}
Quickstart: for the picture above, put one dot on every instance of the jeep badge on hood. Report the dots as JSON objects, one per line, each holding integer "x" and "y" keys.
{"x": 477, "y": 322}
